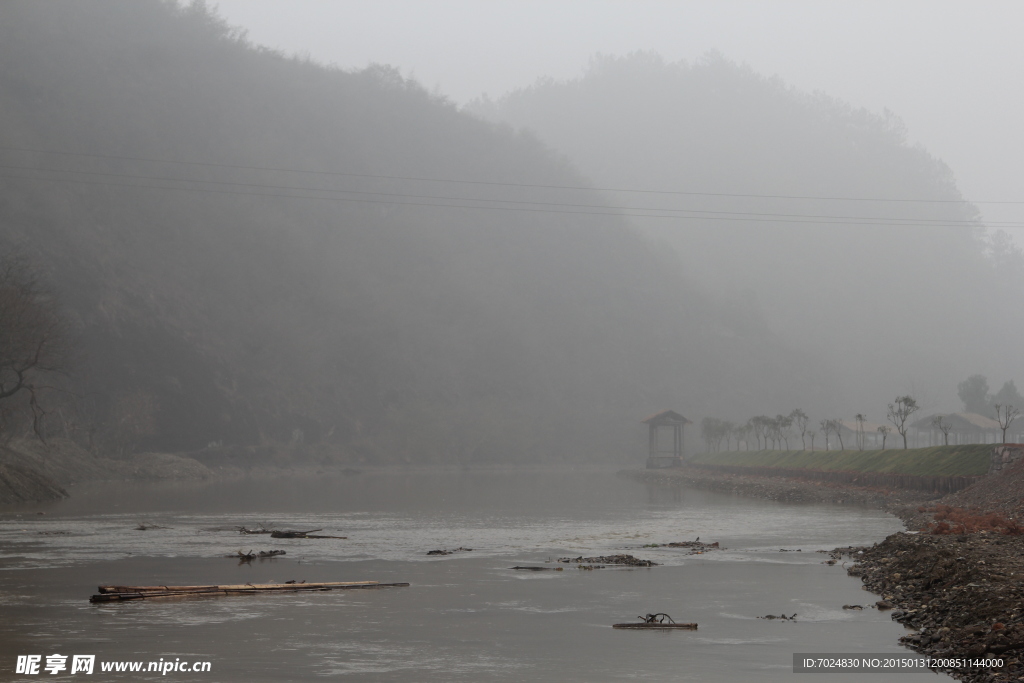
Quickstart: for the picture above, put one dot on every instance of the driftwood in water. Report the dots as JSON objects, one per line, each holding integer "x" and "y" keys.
{"x": 261, "y": 555}
{"x": 290, "y": 533}
{"x": 540, "y": 569}
{"x": 300, "y": 534}
{"x": 147, "y": 527}
{"x": 781, "y": 616}
{"x": 695, "y": 547}
{"x": 625, "y": 560}
{"x": 116, "y": 593}
{"x": 460, "y": 549}
{"x": 319, "y": 536}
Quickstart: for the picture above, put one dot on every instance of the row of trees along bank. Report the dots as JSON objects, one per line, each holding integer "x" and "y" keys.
{"x": 775, "y": 432}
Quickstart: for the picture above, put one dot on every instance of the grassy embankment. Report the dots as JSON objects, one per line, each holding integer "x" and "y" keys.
{"x": 967, "y": 460}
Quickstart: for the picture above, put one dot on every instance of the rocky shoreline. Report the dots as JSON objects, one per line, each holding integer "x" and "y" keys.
{"x": 962, "y": 594}
{"x": 956, "y": 576}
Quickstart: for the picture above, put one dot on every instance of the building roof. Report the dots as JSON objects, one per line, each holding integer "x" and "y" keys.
{"x": 666, "y": 417}
{"x": 869, "y": 427}
{"x": 962, "y": 422}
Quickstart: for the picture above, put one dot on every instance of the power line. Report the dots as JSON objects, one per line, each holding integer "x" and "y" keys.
{"x": 464, "y": 206}
{"x": 741, "y": 215}
{"x": 500, "y": 184}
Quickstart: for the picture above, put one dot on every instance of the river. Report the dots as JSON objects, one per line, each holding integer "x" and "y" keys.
{"x": 465, "y": 616}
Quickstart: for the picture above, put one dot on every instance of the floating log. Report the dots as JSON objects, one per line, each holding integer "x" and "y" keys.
{"x": 116, "y": 593}
{"x": 540, "y": 569}
{"x": 319, "y": 536}
{"x": 289, "y": 533}
{"x": 300, "y": 534}
{"x": 644, "y": 624}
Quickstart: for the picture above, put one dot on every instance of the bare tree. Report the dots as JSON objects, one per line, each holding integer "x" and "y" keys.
{"x": 34, "y": 338}
{"x": 944, "y": 426}
{"x": 812, "y": 433}
{"x": 727, "y": 429}
{"x": 826, "y": 429}
{"x": 884, "y": 430}
{"x": 800, "y": 419}
{"x": 782, "y": 425}
{"x": 859, "y": 417}
{"x": 837, "y": 425}
{"x": 741, "y": 433}
{"x": 1005, "y": 415}
{"x": 762, "y": 426}
{"x": 900, "y": 412}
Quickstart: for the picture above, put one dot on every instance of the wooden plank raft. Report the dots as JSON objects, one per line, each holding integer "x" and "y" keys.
{"x": 641, "y": 624}
{"x": 656, "y": 620}
{"x": 116, "y": 593}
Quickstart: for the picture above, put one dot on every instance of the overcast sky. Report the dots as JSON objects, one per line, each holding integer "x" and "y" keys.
{"x": 953, "y": 71}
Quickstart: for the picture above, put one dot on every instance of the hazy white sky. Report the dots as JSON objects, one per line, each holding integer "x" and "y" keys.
{"x": 954, "y": 71}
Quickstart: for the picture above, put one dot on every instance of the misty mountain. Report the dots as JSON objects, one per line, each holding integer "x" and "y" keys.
{"x": 856, "y": 245}
{"x": 256, "y": 249}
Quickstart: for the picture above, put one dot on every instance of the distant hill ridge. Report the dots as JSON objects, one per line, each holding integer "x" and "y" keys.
{"x": 218, "y": 302}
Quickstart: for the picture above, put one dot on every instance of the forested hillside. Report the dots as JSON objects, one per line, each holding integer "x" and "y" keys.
{"x": 855, "y": 244}
{"x": 254, "y": 249}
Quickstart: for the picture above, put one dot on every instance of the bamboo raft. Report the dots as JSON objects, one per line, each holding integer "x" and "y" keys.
{"x": 117, "y": 593}
{"x": 657, "y": 620}
{"x": 643, "y": 624}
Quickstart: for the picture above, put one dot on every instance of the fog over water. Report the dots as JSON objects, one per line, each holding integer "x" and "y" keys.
{"x": 467, "y": 616}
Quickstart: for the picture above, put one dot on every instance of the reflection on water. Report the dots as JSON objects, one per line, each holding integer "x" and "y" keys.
{"x": 467, "y": 616}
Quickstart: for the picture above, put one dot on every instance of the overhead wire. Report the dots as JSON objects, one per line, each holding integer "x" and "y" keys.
{"x": 603, "y": 209}
{"x": 502, "y": 183}
{"x": 463, "y": 202}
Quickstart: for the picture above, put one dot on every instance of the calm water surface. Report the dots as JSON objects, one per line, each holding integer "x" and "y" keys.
{"x": 467, "y": 616}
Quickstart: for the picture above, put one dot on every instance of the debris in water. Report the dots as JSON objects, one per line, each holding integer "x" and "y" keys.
{"x": 622, "y": 560}
{"x": 460, "y": 549}
{"x": 695, "y": 547}
{"x": 261, "y": 555}
{"x": 540, "y": 569}
{"x": 300, "y": 534}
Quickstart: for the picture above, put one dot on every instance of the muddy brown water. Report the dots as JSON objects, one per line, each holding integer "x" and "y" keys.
{"x": 466, "y": 616}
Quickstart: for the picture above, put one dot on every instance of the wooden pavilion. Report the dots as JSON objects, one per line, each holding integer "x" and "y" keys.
{"x": 659, "y": 454}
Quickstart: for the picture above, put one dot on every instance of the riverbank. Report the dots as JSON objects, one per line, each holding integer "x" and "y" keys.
{"x": 32, "y": 471}
{"x": 902, "y": 503}
{"x": 959, "y": 581}
{"x": 956, "y": 576}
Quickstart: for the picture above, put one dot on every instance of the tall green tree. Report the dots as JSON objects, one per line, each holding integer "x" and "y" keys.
{"x": 973, "y": 392}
